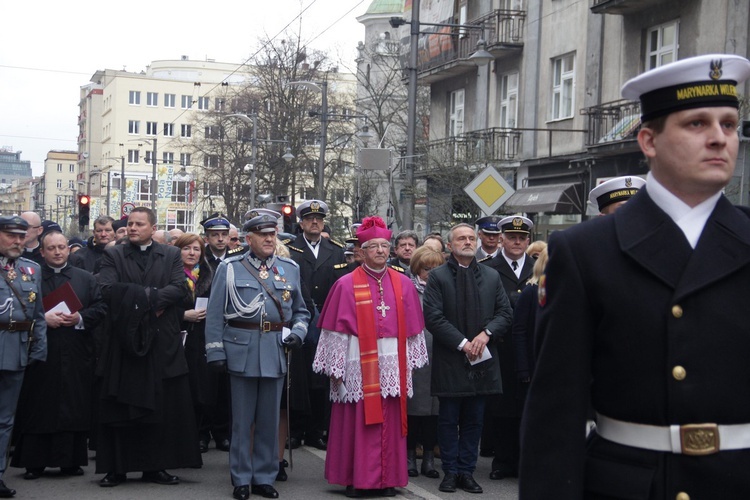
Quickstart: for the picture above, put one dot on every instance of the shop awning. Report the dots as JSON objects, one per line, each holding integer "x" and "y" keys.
{"x": 552, "y": 198}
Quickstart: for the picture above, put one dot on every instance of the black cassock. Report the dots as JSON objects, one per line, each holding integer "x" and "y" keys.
{"x": 53, "y": 418}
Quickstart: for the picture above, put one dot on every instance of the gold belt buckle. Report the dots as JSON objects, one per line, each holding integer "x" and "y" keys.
{"x": 699, "y": 439}
{"x": 266, "y": 326}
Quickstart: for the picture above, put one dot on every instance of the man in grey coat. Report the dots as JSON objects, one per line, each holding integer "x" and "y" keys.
{"x": 255, "y": 311}
{"x": 467, "y": 311}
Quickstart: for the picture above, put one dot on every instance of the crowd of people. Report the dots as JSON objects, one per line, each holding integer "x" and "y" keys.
{"x": 146, "y": 345}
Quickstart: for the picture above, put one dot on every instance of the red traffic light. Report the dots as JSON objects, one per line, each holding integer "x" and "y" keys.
{"x": 83, "y": 199}
{"x": 287, "y": 210}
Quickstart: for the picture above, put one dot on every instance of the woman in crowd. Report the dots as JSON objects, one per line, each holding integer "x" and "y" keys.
{"x": 422, "y": 409}
{"x": 524, "y": 321}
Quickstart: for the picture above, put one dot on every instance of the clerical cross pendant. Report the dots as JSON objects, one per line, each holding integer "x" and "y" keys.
{"x": 383, "y": 308}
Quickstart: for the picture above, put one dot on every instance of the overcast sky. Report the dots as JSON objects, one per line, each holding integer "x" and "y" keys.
{"x": 50, "y": 48}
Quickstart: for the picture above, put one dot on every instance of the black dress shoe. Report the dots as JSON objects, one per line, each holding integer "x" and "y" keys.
{"x": 316, "y": 443}
{"x": 71, "y": 471}
{"x": 264, "y": 490}
{"x": 33, "y": 474}
{"x": 293, "y": 443}
{"x": 284, "y": 463}
{"x": 352, "y": 492}
{"x": 112, "y": 479}
{"x": 466, "y": 482}
{"x": 388, "y": 492}
{"x": 160, "y": 477}
{"x": 448, "y": 484}
{"x": 6, "y": 492}
{"x": 223, "y": 445}
{"x": 486, "y": 452}
{"x": 281, "y": 475}
{"x": 203, "y": 446}
{"x": 241, "y": 492}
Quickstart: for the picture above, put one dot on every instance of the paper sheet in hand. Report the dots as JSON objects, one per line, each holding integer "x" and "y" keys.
{"x": 65, "y": 294}
{"x": 61, "y": 307}
{"x": 201, "y": 303}
{"x": 484, "y": 357}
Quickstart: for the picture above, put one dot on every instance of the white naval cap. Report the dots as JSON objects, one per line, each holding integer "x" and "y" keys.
{"x": 615, "y": 190}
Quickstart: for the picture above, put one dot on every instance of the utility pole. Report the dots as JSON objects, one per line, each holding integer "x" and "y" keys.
{"x": 407, "y": 207}
{"x": 153, "y": 178}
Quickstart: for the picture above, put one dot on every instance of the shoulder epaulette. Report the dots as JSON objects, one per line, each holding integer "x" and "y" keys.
{"x": 485, "y": 258}
{"x": 286, "y": 241}
{"x": 397, "y": 268}
{"x": 290, "y": 247}
{"x": 238, "y": 250}
{"x": 29, "y": 261}
{"x": 340, "y": 266}
{"x": 287, "y": 260}
{"x": 341, "y": 245}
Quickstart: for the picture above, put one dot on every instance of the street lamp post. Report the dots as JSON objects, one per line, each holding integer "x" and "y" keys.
{"x": 322, "y": 87}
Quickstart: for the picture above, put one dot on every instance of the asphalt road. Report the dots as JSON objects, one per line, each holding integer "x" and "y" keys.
{"x": 306, "y": 481}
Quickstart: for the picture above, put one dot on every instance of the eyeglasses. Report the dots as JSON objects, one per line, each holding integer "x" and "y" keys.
{"x": 384, "y": 246}
{"x": 234, "y": 239}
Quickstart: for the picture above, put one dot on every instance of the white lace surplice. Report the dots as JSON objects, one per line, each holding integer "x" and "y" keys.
{"x": 338, "y": 357}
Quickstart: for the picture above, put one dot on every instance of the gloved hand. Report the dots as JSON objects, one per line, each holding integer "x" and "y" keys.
{"x": 292, "y": 341}
{"x": 219, "y": 366}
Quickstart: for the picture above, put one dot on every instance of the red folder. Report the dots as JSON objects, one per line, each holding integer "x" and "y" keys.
{"x": 64, "y": 293}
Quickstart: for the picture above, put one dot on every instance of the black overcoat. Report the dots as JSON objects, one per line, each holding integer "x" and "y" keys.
{"x": 450, "y": 371}
{"x": 626, "y": 301}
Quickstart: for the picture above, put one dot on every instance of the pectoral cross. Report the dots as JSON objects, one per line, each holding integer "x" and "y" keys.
{"x": 382, "y": 307}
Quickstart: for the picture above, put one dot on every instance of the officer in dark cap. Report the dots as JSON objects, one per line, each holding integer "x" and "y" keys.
{"x": 489, "y": 236}
{"x": 23, "y": 330}
{"x": 643, "y": 314}
{"x": 316, "y": 256}
{"x": 121, "y": 228}
{"x": 254, "y": 311}
{"x": 216, "y": 227}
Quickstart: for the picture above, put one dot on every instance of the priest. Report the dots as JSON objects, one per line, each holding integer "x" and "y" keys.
{"x": 371, "y": 340}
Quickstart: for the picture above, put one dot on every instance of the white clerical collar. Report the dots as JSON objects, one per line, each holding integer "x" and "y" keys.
{"x": 145, "y": 247}
{"x": 690, "y": 220}
{"x": 58, "y": 269}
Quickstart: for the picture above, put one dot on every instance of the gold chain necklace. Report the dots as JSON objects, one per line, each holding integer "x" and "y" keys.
{"x": 382, "y": 308}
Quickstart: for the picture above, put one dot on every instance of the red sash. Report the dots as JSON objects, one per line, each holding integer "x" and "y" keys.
{"x": 368, "y": 347}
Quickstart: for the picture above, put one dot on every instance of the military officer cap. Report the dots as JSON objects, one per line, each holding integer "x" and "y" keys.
{"x": 254, "y": 212}
{"x": 312, "y": 207}
{"x": 263, "y": 221}
{"x": 13, "y": 224}
{"x": 615, "y": 190}
{"x": 215, "y": 222}
{"x": 353, "y": 229}
{"x": 516, "y": 224}
{"x": 489, "y": 224}
{"x": 697, "y": 82}
{"x": 349, "y": 250}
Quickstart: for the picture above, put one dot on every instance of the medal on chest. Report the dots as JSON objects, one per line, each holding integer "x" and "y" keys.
{"x": 263, "y": 272}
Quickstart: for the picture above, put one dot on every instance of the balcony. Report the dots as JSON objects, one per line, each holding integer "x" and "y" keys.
{"x": 622, "y": 7}
{"x": 478, "y": 147}
{"x": 446, "y": 53}
{"x": 613, "y": 126}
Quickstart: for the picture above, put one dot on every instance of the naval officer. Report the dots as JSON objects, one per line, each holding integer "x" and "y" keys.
{"x": 643, "y": 315}
{"x": 255, "y": 311}
{"x": 23, "y": 331}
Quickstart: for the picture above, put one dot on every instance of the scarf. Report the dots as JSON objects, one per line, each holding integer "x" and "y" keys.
{"x": 192, "y": 277}
{"x": 468, "y": 309}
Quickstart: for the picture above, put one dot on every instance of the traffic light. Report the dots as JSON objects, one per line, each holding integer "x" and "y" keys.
{"x": 290, "y": 218}
{"x": 84, "y": 208}
{"x": 745, "y": 129}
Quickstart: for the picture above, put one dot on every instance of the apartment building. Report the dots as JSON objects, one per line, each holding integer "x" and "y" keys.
{"x": 58, "y": 188}
{"x": 546, "y": 112}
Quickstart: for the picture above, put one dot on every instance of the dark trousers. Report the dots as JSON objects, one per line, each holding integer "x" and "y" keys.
{"x": 215, "y": 421}
{"x": 422, "y": 430}
{"x": 459, "y": 431}
{"x": 507, "y": 445}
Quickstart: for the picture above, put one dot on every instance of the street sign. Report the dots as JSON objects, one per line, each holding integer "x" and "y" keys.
{"x": 127, "y": 208}
{"x": 489, "y": 190}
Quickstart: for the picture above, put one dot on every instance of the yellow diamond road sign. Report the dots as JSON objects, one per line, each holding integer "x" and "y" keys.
{"x": 489, "y": 190}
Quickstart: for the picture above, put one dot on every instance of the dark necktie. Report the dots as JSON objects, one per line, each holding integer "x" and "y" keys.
{"x": 514, "y": 265}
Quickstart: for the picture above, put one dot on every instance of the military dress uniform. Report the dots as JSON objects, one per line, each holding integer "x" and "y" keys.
{"x": 23, "y": 333}
{"x": 244, "y": 329}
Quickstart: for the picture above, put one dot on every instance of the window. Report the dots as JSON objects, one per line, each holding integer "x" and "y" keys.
{"x": 186, "y": 130}
{"x": 169, "y": 130}
{"x": 563, "y": 82}
{"x": 211, "y": 189}
{"x": 59, "y": 167}
{"x": 59, "y": 183}
{"x": 185, "y": 159}
{"x": 151, "y": 128}
{"x": 186, "y": 102}
{"x": 219, "y": 104}
{"x": 508, "y": 100}
{"x": 662, "y": 45}
{"x": 133, "y": 155}
{"x": 180, "y": 219}
{"x": 71, "y": 184}
{"x": 148, "y": 157}
{"x": 169, "y": 100}
{"x": 144, "y": 190}
{"x": 134, "y": 127}
{"x": 203, "y": 103}
{"x": 134, "y": 97}
{"x": 341, "y": 195}
{"x": 456, "y": 117}
{"x": 212, "y": 132}
{"x": 152, "y": 98}
{"x": 72, "y": 167}
{"x": 167, "y": 157}
{"x": 210, "y": 161}
{"x": 181, "y": 191}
